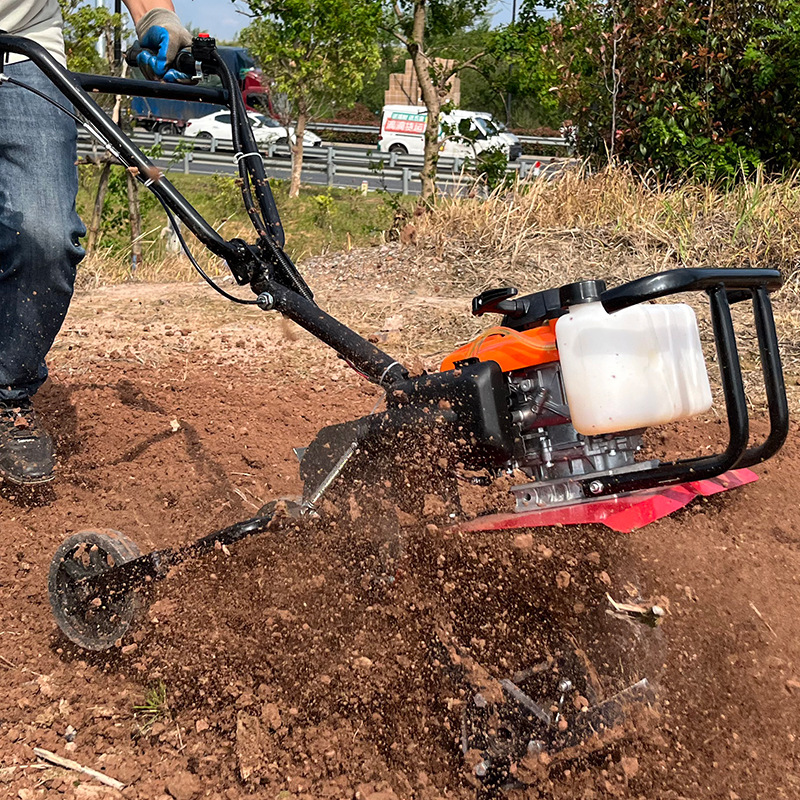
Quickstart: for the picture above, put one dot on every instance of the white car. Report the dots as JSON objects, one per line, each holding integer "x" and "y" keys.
{"x": 266, "y": 129}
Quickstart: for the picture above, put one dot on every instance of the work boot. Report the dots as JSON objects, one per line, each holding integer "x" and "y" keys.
{"x": 26, "y": 449}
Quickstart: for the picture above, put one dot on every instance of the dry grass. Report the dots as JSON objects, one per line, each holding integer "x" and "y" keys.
{"x": 107, "y": 266}
{"x": 612, "y": 225}
{"x": 614, "y": 217}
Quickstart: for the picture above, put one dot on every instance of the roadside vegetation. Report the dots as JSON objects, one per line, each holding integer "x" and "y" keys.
{"x": 319, "y": 220}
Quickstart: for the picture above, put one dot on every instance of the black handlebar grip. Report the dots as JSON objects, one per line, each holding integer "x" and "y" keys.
{"x": 184, "y": 61}
{"x": 133, "y": 53}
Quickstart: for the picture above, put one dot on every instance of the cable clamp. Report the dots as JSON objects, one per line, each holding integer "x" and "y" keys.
{"x": 239, "y": 156}
{"x": 383, "y": 375}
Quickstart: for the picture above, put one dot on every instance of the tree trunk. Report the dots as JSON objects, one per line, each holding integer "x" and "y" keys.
{"x": 297, "y": 153}
{"x": 97, "y": 212}
{"x": 135, "y": 214}
{"x": 102, "y": 183}
{"x": 430, "y": 96}
{"x": 430, "y": 159}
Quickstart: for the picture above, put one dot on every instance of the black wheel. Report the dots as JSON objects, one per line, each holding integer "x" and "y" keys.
{"x": 92, "y": 622}
{"x": 167, "y": 128}
{"x": 204, "y": 140}
{"x": 400, "y": 149}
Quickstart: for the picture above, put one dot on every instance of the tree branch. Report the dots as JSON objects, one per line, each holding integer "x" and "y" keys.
{"x": 468, "y": 64}
{"x": 392, "y": 32}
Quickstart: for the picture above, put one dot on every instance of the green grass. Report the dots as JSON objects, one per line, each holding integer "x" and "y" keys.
{"x": 153, "y": 708}
{"x": 318, "y": 221}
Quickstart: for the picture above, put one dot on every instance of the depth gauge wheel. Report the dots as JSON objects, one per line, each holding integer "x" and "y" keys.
{"x": 91, "y": 621}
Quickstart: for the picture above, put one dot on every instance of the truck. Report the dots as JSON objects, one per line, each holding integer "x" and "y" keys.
{"x": 403, "y": 131}
{"x": 170, "y": 116}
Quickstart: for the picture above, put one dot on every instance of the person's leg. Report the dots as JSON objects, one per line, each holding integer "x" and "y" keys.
{"x": 39, "y": 251}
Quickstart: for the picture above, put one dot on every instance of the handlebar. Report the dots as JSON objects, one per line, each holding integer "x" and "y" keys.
{"x": 184, "y": 61}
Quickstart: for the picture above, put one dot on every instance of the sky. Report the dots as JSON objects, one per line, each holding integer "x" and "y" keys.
{"x": 220, "y": 18}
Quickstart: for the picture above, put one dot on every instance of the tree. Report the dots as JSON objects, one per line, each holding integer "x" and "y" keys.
{"x": 516, "y": 65}
{"x": 84, "y": 25}
{"x": 318, "y": 52}
{"x": 422, "y": 26}
{"x": 706, "y": 88}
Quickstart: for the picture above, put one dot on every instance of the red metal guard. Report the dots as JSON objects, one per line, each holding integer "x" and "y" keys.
{"x": 624, "y": 513}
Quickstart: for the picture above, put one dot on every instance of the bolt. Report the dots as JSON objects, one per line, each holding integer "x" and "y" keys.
{"x": 565, "y": 685}
{"x": 595, "y": 487}
{"x": 265, "y": 301}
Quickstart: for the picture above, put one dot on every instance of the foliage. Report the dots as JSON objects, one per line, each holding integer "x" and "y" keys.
{"x": 153, "y": 708}
{"x": 444, "y": 19}
{"x": 319, "y": 52}
{"x": 517, "y": 66}
{"x": 490, "y": 168}
{"x": 354, "y": 221}
{"x": 84, "y": 24}
{"x": 392, "y": 58}
{"x": 325, "y": 206}
{"x": 706, "y": 88}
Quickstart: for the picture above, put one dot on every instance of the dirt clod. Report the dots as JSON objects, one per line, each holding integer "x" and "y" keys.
{"x": 523, "y": 541}
{"x": 184, "y": 786}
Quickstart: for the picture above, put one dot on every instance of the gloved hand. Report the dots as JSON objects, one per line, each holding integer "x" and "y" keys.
{"x": 162, "y": 37}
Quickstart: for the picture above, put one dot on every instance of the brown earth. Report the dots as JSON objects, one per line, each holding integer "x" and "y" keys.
{"x": 287, "y": 670}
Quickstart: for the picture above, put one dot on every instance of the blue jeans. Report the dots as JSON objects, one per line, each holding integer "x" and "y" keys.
{"x": 39, "y": 228}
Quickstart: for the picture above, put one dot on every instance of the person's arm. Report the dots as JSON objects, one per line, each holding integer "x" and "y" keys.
{"x": 161, "y": 35}
{"x": 139, "y": 8}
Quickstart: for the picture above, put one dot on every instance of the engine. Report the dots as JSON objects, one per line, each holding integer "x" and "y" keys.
{"x": 551, "y": 451}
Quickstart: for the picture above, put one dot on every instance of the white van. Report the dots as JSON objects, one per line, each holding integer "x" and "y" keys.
{"x": 514, "y": 144}
{"x": 403, "y": 131}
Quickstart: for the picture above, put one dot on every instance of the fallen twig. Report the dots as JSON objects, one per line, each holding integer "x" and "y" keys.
{"x": 759, "y": 615}
{"x": 10, "y": 665}
{"x": 67, "y": 763}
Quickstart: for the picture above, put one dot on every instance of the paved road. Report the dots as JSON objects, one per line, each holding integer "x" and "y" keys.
{"x": 375, "y": 182}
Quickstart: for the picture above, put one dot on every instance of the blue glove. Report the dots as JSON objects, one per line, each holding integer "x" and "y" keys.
{"x": 162, "y": 37}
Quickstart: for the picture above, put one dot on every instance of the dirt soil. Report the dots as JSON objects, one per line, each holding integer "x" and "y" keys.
{"x": 283, "y": 668}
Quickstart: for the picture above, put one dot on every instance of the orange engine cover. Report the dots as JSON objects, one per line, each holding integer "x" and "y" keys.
{"x": 509, "y": 348}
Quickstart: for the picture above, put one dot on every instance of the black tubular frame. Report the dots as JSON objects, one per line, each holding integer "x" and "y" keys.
{"x": 723, "y": 287}
{"x": 265, "y": 266}
{"x": 105, "y": 84}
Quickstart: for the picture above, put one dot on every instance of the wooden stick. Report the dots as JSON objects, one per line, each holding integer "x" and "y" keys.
{"x": 67, "y": 763}
{"x": 761, "y": 617}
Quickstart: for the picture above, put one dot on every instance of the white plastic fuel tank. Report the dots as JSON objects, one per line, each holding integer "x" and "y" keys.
{"x": 637, "y": 367}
